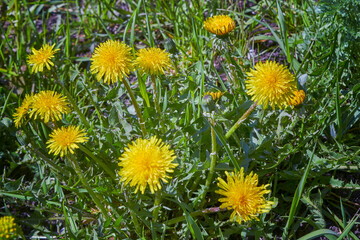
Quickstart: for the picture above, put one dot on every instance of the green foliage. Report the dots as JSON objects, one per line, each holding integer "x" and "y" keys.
{"x": 308, "y": 154}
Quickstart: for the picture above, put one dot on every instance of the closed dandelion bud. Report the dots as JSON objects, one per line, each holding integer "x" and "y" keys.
{"x": 298, "y": 98}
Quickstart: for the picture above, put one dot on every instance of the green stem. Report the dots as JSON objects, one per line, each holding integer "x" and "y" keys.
{"x": 98, "y": 161}
{"x": 83, "y": 180}
{"x": 212, "y": 164}
{"x": 136, "y": 106}
{"x": 157, "y": 202}
{"x": 241, "y": 120}
{"x": 156, "y": 99}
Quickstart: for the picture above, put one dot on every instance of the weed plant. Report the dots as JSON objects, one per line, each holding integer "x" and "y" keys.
{"x": 297, "y": 164}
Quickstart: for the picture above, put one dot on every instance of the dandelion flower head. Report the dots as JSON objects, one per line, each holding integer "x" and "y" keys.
{"x": 215, "y": 95}
{"x": 146, "y": 162}
{"x": 242, "y": 194}
{"x": 298, "y": 98}
{"x": 49, "y": 105}
{"x": 270, "y": 84}
{"x": 111, "y": 61}
{"x": 42, "y": 57}
{"x": 219, "y": 25}
{"x": 8, "y": 228}
{"x": 21, "y": 111}
{"x": 152, "y": 60}
{"x": 66, "y": 139}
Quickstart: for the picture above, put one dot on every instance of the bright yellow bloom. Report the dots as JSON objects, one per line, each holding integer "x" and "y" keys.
{"x": 111, "y": 60}
{"x": 49, "y": 105}
{"x": 215, "y": 95}
{"x": 243, "y": 196}
{"x": 219, "y": 25}
{"x": 153, "y": 60}
{"x": 270, "y": 84}
{"x": 298, "y": 98}
{"x": 145, "y": 162}
{"x": 8, "y": 228}
{"x": 66, "y": 139}
{"x": 21, "y": 111}
{"x": 42, "y": 57}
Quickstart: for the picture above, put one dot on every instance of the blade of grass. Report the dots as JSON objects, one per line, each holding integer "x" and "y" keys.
{"x": 318, "y": 233}
{"x": 148, "y": 27}
{"x": 194, "y": 228}
{"x": 339, "y": 222}
{"x": 297, "y": 196}
{"x": 142, "y": 88}
{"x": 342, "y": 212}
{"x": 70, "y": 222}
{"x": 68, "y": 38}
{"x": 283, "y": 30}
{"x": 349, "y": 226}
{"x": 202, "y": 66}
{"x": 132, "y": 20}
{"x": 6, "y": 101}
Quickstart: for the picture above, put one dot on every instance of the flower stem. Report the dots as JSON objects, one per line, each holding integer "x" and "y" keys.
{"x": 136, "y": 106}
{"x": 98, "y": 161}
{"x": 83, "y": 180}
{"x": 241, "y": 120}
{"x": 212, "y": 164}
{"x": 157, "y": 202}
{"x": 156, "y": 99}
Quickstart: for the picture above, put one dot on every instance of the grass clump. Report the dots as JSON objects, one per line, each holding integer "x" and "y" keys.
{"x": 101, "y": 99}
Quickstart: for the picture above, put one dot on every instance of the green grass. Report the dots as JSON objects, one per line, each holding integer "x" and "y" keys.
{"x": 309, "y": 155}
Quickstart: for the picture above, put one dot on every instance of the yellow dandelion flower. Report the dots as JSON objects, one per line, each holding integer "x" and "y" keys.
{"x": 145, "y": 162}
{"x": 65, "y": 139}
{"x": 270, "y": 84}
{"x": 21, "y": 111}
{"x": 112, "y": 61}
{"x": 8, "y": 228}
{"x": 243, "y": 196}
{"x": 152, "y": 60}
{"x": 42, "y": 57}
{"x": 49, "y": 105}
{"x": 215, "y": 95}
{"x": 219, "y": 25}
{"x": 298, "y": 98}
